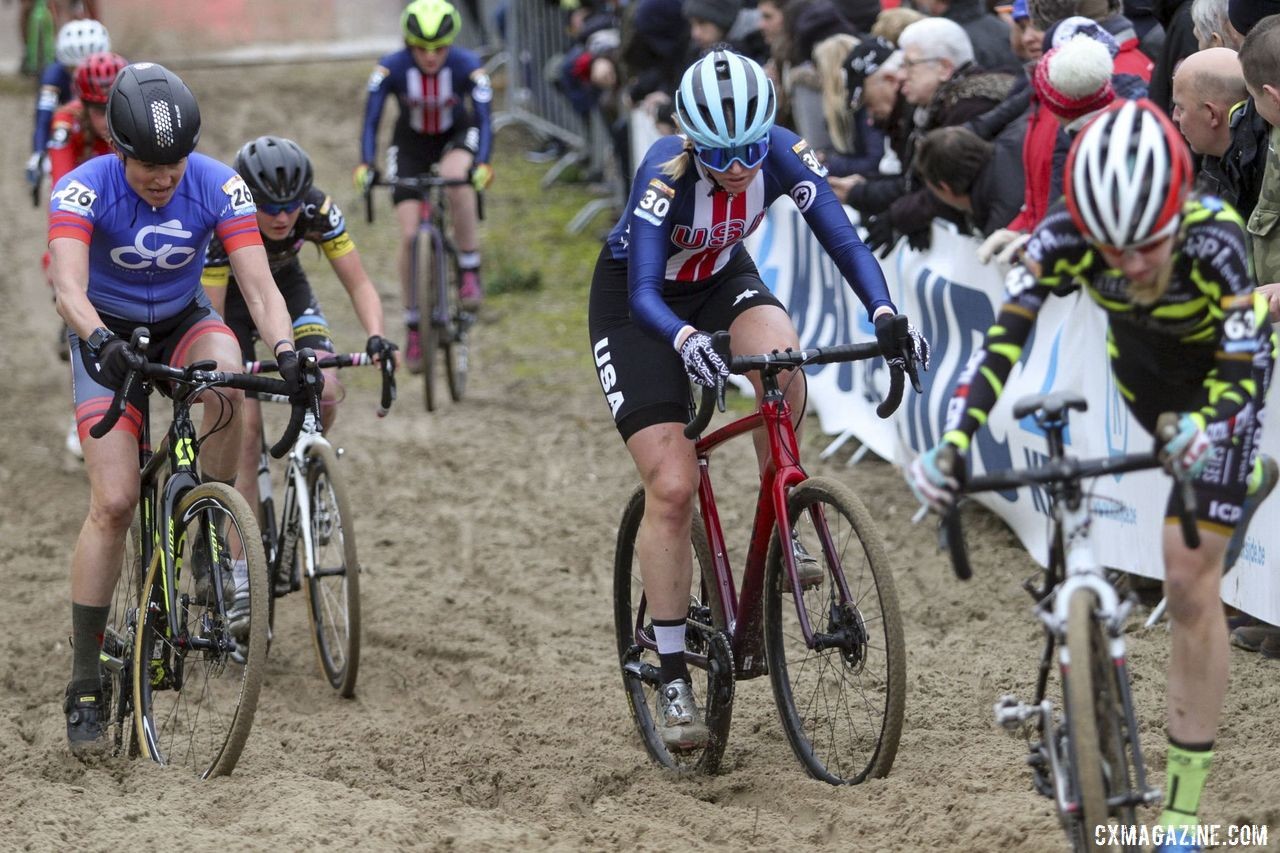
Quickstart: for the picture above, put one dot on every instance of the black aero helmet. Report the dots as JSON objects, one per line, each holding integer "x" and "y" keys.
{"x": 277, "y": 170}
{"x": 152, "y": 115}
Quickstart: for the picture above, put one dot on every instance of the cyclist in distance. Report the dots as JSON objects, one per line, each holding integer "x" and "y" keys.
{"x": 291, "y": 212}
{"x": 127, "y": 235}
{"x": 444, "y": 98}
{"x": 673, "y": 270}
{"x": 1186, "y": 334}
{"x": 76, "y": 41}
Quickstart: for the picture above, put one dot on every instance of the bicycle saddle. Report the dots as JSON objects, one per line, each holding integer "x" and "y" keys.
{"x": 1052, "y": 405}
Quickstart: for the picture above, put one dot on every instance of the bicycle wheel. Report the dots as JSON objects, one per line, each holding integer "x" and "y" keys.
{"x": 841, "y": 697}
{"x": 430, "y": 271}
{"x": 1096, "y": 729}
{"x": 457, "y": 347}
{"x": 117, "y": 647}
{"x": 333, "y": 592}
{"x": 705, "y": 636}
{"x": 195, "y": 702}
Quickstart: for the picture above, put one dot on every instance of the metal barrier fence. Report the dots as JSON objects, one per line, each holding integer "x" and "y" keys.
{"x": 535, "y": 41}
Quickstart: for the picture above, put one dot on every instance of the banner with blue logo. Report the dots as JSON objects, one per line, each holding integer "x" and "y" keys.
{"x": 952, "y": 299}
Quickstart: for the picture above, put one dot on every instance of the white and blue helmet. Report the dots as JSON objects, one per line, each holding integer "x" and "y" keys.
{"x": 725, "y": 100}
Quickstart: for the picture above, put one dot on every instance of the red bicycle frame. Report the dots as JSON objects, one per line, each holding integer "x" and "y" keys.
{"x": 782, "y": 472}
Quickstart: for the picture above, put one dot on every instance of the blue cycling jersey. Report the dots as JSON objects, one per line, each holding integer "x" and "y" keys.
{"x": 686, "y": 229}
{"x": 55, "y": 89}
{"x": 430, "y": 104}
{"x": 145, "y": 262}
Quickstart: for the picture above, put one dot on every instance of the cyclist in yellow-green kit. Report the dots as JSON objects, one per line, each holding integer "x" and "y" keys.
{"x": 1186, "y": 334}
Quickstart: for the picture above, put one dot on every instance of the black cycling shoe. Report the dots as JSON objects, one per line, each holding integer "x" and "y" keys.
{"x": 85, "y": 713}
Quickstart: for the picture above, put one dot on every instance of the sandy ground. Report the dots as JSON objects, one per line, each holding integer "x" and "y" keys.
{"x": 490, "y": 713}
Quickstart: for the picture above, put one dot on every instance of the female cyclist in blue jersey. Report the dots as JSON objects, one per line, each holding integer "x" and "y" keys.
{"x": 1186, "y": 334}
{"x": 444, "y": 98}
{"x": 127, "y": 236}
{"x": 673, "y": 270}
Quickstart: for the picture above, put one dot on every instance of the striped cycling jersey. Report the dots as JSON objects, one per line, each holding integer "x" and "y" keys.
{"x": 430, "y": 104}
{"x": 319, "y": 221}
{"x": 1199, "y": 348}
{"x": 145, "y": 262}
{"x": 686, "y": 229}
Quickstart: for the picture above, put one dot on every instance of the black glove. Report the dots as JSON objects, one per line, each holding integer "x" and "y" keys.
{"x": 880, "y": 236}
{"x": 703, "y": 364}
{"x": 920, "y": 240}
{"x": 379, "y": 347}
{"x": 109, "y": 366}
{"x": 295, "y": 382}
{"x": 896, "y": 348}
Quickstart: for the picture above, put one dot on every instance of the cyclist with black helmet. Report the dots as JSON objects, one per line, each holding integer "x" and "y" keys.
{"x": 1186, "y": 334}
{"x": 127, "y": 235}
{"x": 76, "y": 40}
{"x": 444, "y": 97}
{"x": 291, "y": 212}
{"x": 674, "y": 268}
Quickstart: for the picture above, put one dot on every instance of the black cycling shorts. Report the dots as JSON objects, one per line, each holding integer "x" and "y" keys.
{"x": 642, "y": 377}
{"x": 310, "y": 328}
{"x": 412, "y": 153}
{"x": 171, "y": 340}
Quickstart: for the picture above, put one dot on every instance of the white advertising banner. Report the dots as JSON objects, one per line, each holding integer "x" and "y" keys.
{"x": 952, "y": 299}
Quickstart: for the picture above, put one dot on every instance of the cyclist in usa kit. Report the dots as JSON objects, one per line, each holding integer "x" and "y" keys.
{"x": 127, "y": 235}
{"x": 76, "y": 41}
{"x": 672, "y": 270}
{"x": 444, "y": 98}
{"x": 1187, "y": 334}
{"x": 291, "y": 212}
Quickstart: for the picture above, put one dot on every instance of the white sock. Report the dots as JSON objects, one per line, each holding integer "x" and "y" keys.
{"x": 240, "y": 572}
{"x": 670, "y": 638}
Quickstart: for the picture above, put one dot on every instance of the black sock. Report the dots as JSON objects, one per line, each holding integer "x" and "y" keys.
{"x": 87, "y": 627}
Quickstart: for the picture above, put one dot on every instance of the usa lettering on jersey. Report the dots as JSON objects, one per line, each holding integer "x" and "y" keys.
{"x": 75, "y": 197}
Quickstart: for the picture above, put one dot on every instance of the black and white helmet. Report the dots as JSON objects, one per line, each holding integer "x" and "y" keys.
{"x": 77, "y": 39}
{"x": 152, "y": 115}
{"x": 277, "y": 170}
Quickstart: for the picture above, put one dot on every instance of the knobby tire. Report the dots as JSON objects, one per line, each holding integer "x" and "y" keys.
{"x": 841, "y": 707}
{"x": 333, "y": 594}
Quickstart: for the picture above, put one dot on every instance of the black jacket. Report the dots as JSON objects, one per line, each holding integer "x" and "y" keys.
{"x": 1179, "y": 43}
{"x": 996, "y": 195}
{"x": 1236, "y": 176}
{"x": 989, "y": 34}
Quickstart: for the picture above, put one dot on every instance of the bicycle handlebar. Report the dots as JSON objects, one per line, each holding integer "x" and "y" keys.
{"x": 417, "y": 182}
{"x": 196, "y": 375}
{"x": 950, "y": 530}
{"x": 775, "y": 362}
{"x": 355, "y": 359}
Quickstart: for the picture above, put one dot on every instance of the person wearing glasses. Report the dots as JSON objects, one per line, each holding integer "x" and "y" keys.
{"x": 291, "y": 212}
{"x": 672, "y": 271}
{"x": 445, "y": 103}
{"x": 1187, "y": 333}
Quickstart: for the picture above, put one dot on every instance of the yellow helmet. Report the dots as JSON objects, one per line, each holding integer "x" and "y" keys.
{"x": 430, "y": 24}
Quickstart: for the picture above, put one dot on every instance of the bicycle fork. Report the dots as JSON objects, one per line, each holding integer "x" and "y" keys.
{"x": 1047, "y": 757}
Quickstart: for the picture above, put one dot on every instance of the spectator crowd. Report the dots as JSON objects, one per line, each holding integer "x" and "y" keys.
{"x": 963, "y": 110}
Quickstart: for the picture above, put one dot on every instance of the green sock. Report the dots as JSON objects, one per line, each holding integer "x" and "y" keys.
{"x": 1185, "y": 775}
{"x": 87, "y": 627}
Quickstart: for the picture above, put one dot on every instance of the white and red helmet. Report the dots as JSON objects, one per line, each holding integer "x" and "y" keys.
{"x": 1127, "y": 175}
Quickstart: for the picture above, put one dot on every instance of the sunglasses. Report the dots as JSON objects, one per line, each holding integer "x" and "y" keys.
{"x": 721, "y": 159}
{"x": 276, "y": 209}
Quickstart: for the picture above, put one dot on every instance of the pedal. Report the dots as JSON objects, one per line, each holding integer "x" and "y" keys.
{"x": 1011, "y": 714}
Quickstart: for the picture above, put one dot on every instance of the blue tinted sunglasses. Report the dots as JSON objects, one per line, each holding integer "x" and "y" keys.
{"x": 720, "y": 159}
{"x": 276, "y": 209}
